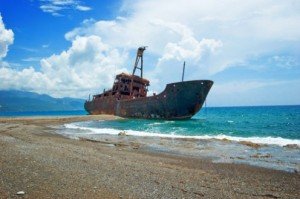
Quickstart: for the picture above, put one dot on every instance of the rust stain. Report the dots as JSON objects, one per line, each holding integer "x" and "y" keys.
{"x": 128, "y": 97}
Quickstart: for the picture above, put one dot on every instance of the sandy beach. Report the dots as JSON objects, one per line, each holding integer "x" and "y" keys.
{"x": 43, "y": 164}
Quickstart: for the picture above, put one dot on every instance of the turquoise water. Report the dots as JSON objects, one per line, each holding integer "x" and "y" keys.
{"x": 264, "y": 124}
{"x": 277, "y": 128}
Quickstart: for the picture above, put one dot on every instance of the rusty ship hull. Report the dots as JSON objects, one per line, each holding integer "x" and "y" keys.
{"x": 180, "y": 100}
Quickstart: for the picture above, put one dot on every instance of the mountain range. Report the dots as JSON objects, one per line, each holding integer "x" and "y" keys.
{"x": 15, "y": 100}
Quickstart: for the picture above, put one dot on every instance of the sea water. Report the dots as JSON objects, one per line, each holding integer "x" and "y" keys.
{"x": 260, "y": 124}
{"x": 279, "y": 125}
{"x": 216, "y": 133}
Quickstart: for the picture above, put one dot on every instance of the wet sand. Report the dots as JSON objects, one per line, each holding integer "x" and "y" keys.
{"x": 43, "y": 164}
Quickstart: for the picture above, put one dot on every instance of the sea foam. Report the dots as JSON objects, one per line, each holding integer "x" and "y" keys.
{"x": 259, "y": 140}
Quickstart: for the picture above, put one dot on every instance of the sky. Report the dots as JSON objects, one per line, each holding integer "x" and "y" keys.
{"x": 73, "y": 48}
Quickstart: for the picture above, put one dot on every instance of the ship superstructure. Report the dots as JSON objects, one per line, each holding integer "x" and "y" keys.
{"x": 128, "y": 97}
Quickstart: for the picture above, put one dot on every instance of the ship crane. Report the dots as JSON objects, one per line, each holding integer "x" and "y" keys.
{"x": 128, "y": 96}
{"x": 139, "y": 56}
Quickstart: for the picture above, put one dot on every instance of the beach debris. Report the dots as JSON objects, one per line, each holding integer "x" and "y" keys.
{"x": 20, "y": 193}
{"x": 135, "y": 145}
{"x": 292, "y": 146}
{"x": 198, "y": 193}
{"x": 226, "y": 140}
{"x": 184, "y": 190}
{"x": 240, "y": 158}
{"x": 122, "y": 133}
{"x": 120, "y": 144}
{"x": 259, "y": 155}
{"x": 87, "y": 140}
{"x": 250, "y": 144}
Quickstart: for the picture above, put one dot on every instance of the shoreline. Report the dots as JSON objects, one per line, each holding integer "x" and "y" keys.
{"x": 249, "y": 141}
{"x": 270, "y": 156}
{"x": 56, "y": 119}
{"x": 40, "y": 162}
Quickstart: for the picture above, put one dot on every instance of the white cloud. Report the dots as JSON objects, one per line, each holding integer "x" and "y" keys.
{"x": 32, "y": 59}
{"x": 26, "y": 79}
{"x": 32, "y": 50}
{"x": 287, "y": 62}
{"x": 240, "y": 31}
{"x": 6, "y": 38}
{"x": 169, "y": 42}
{"x": 83, "y": 8}
{"x": 186, "y": 46}
{"x": 56, "y": 7}
{"x": 86, "y": 67}
{"x": 51, "y": 8}
{"x": 211, "y": 36}
{"x": 240, "y": 87}
{"x": 254, "y": 92}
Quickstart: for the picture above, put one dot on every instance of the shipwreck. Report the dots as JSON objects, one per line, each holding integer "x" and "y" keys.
{"x": 128, "y": 97}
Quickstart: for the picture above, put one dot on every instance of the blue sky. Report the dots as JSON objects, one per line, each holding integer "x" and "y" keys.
{"x": 40, "y": 34}
{"x": 250, "y": 49}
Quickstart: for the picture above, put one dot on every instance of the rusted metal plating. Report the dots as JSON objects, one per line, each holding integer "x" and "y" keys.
{"x": 128, "y": 97}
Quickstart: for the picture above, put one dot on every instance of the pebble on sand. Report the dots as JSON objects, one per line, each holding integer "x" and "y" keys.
{"x": 122, "y": 133}
{"x": 20, "y": 193}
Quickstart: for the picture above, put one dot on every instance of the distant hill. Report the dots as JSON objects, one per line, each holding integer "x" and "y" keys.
{"x": 14, "y": 100}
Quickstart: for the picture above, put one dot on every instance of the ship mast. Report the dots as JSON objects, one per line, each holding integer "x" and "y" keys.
{"x": 139, "y": 56}
{"x": 183, "y": 69}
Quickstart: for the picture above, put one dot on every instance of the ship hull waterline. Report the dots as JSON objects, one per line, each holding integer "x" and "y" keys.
{"x": 179, "y": 100}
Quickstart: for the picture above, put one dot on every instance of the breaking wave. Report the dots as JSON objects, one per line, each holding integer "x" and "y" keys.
{"x": 110, "y": 131}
